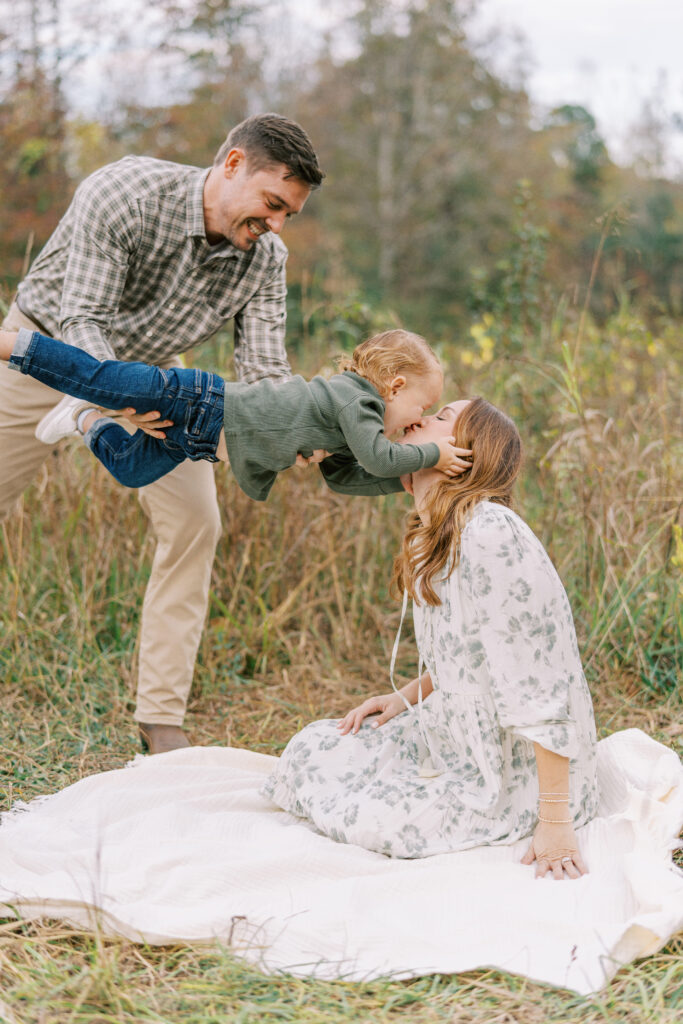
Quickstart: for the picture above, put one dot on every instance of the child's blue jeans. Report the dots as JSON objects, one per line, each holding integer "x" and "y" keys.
{"x": 192, "y": 399}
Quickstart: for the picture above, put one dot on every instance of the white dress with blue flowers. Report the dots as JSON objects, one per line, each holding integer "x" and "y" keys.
{"x": 460, "y": 770}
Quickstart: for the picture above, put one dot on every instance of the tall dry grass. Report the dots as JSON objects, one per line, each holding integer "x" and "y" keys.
{"x": 301, "y": 623}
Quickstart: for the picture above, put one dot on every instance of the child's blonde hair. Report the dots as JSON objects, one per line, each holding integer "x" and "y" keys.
{"x": 384, "y": 356}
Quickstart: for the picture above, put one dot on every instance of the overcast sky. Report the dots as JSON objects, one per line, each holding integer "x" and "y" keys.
{"x": 609, "y": 55}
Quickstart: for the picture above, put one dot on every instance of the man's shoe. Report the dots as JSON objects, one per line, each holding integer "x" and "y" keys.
{"x": 61, "y": 421}
{"x": 157, "y": 739}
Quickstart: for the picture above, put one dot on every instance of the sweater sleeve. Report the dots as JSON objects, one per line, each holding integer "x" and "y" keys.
{"x": 343, "y": 474}
{"x": 363, "y": 428}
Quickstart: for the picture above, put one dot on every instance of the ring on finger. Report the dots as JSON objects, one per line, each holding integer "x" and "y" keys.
{"x": 566, "y": 860}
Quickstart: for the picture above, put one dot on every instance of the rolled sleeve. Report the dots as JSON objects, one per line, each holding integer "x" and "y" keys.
{"x": 21, "y": 347}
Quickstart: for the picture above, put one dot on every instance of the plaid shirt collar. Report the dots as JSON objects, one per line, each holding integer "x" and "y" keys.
{"x": 194, "y": 206}
{"x": 194, "y": 219}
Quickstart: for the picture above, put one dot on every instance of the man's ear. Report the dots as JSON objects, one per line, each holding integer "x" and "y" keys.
{"x": 396, "y": 385}
{"x": 235, "y": 158}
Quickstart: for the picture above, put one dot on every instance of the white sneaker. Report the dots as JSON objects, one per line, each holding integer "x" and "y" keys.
{"x": 61, "y": 421}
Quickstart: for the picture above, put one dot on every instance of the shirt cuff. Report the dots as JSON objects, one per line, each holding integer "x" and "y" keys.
{"x": 89, "y": 338}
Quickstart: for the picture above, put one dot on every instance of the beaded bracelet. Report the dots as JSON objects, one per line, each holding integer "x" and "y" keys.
{"x": 554, "y": 794}
{"x": 555, "y": 821}
{"x": 554, "y": 800}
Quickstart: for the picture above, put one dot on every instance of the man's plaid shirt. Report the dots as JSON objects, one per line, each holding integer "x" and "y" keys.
{"x": 129, "y": 274}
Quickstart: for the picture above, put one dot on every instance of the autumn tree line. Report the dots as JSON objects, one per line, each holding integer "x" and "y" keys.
{"x": 446, "y": 196}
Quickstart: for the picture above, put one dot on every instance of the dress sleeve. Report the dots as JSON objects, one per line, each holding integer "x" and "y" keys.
{"x": 525, "y": 630}
{"x": 363, "y": 427}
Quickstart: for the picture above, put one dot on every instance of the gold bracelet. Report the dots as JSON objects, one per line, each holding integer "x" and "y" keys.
{"x": 553, "y": 794}
{"x": 553, "y": 800}
{"x": 555, "y": 821}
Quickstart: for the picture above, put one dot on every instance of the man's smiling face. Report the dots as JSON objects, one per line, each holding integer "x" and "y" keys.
{"x": 245, "y": 204}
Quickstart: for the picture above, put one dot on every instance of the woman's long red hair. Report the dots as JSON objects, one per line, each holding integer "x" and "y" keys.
{"x": 432, "y": 546}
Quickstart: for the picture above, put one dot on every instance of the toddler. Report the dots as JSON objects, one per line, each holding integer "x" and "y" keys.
{"x": 384, "y": 388}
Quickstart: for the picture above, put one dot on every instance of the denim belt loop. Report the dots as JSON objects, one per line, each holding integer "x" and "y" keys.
{"x": 203, "y": 445}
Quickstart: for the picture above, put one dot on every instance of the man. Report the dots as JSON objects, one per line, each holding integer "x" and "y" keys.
{"x": 150, "y": 259}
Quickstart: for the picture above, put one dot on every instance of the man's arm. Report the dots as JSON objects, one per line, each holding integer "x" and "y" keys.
{"x": 105, "y": 237}
{"x": 260, "y": 330}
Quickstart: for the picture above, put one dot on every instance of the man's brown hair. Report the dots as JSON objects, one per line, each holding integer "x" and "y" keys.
{"x": 269, "y": 139}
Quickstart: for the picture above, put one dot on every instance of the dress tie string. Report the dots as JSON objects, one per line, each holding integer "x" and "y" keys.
{"x": 428, "y": 769}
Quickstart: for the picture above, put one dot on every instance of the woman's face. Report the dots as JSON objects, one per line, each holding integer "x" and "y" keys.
{"x": 433, "y": 428}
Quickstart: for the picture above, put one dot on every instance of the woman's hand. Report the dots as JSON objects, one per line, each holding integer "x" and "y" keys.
{"x": 389, "y": 704}
{"x": 555, "y": 848}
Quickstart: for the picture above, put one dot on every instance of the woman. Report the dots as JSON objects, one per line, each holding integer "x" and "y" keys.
{"x": 496, "y": 739}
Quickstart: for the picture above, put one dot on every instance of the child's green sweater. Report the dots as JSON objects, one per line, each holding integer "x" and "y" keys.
{"x": 267, "y": 424}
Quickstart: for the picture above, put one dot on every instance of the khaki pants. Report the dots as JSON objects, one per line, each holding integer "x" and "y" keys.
{"x": 183, "y": 512}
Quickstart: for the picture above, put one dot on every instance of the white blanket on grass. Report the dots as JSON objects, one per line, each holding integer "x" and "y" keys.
{"x": 180, "y": 847}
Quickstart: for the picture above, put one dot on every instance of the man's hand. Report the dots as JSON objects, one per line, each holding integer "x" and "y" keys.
{"x": 150, "y": 422}
{"x": 318, "y": 455}
{"x": 407, "y": 481}
{"x": 388, "y": 704}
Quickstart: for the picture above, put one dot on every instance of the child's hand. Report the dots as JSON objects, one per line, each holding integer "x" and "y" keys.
{"x": 452, "y": 460}
{"x": 389, "y": 704}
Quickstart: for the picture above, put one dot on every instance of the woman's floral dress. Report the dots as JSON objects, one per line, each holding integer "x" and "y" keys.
{"x": 459, "y": 770}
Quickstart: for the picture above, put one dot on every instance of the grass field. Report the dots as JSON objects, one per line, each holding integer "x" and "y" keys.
{"x": 300, "y": 624}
